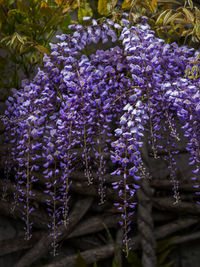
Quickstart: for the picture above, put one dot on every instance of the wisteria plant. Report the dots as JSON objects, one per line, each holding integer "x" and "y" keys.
{"x": 99, "y": 104}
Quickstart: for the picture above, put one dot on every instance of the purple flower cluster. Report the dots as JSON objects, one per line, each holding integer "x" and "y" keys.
{"x": 101, "y": 104}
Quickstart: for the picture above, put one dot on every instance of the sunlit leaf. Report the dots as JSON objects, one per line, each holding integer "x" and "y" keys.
{"x": 167, "y": 16}
{"x": 173, "y": 17}
{"x": 127, "y": 4}
{"x": 186, "y": 33}
{"x": 84, "y": 10}
{"x": 61, "y": 2}
{"x": 190, "y": 4}
{"x": 103, "y": 7}
{"x": 19, "y": 38}
{"x": 188, "y": 14}
{"x": 10, "y": 2}
{"x": 169, "y": 2}
{"x": 153, "y": 5}
{"x": 197, "y": 13}
{"x": 161, "y": 16}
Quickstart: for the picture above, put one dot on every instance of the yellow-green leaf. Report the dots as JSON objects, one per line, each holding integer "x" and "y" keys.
{"x": 186, "y": 33}
{"x": 197, "y": 14}
{"x": 173, "y": 17}
{"x": 160, "y": 17}
{"x": 169, "y": 2}
{"x": 167, "y": 17}
{"x": 45, "y": 9}
{"x": 127, "y": 4}
{"x": 188, "y": 14}
{"x": 153, "y": 5}
{"x": 61, "y": 2}
{"x": 22, "y": 7}
{"x": 84, "y": 10}
{"x": 162, "y": 257}
{"x": 2, "y": 16}
{"x": 103, "y": 7}
{"x": 164, "y": 244}
{"x": 80, "y": 262}
{"x": 190, "y": 4}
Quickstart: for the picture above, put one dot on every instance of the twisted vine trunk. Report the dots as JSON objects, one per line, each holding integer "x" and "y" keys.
{"x": 145, "y": 225}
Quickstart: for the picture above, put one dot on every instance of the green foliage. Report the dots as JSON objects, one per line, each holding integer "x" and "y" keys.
{"x": 171, "y": 19}
{"x": 26, "y": 28}
{"x": 84, "y": 10}
{"x": 95, "y": 264}
{"x": 134, "y": 259}
{"x": 105, "y": 7}
{"x": 80, "y": 262}
{"x": 164, "y": 248}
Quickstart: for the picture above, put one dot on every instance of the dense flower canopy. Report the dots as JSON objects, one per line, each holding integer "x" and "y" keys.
{"x": 104, "y": 103}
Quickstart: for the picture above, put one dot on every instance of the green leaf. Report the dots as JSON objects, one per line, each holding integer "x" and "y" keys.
{"x": 2, "y": 15}
{"x": 197, "y": 13}
{"x": 190, "y": 4}
{"x": 160, "y": 17}
{"x": 117, "y": 258}
{"x": 162, "y": 256}
{"x": 169, "y": 264}
{"x": 45, "y": 10}
{"x": 22, "y": 6}
{"x": 163, "y": 244}
{"x": 80, "y": 262}
{"x": 173, "y": 18}
{"x": 167, "y": 16}
{"x": 105, "y": 7}
{"x": 19, "y": 38}
{"x": 188, "y": 14}
{"x": 84, "y": 10}
{"x": 169, "y": 2}
{"x": 65, "y": 24}
{"x": 10, "y": 2}
{"x": 134, "y": 259}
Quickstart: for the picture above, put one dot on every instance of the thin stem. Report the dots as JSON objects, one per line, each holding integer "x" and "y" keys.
{"x": 176, "y": 194}
{"x": 28, "y": 187}
{"x": 100, "y": 164}
{"x": 125, "y": 213}
{"x": 84, "y": 135}
{"x": 54, "y": 216}
{"x": 125, "y": 208}
{"x": 67, "y": 179}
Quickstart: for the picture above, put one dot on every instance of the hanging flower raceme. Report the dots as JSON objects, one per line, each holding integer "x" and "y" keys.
{"x": 89, "y": 107}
